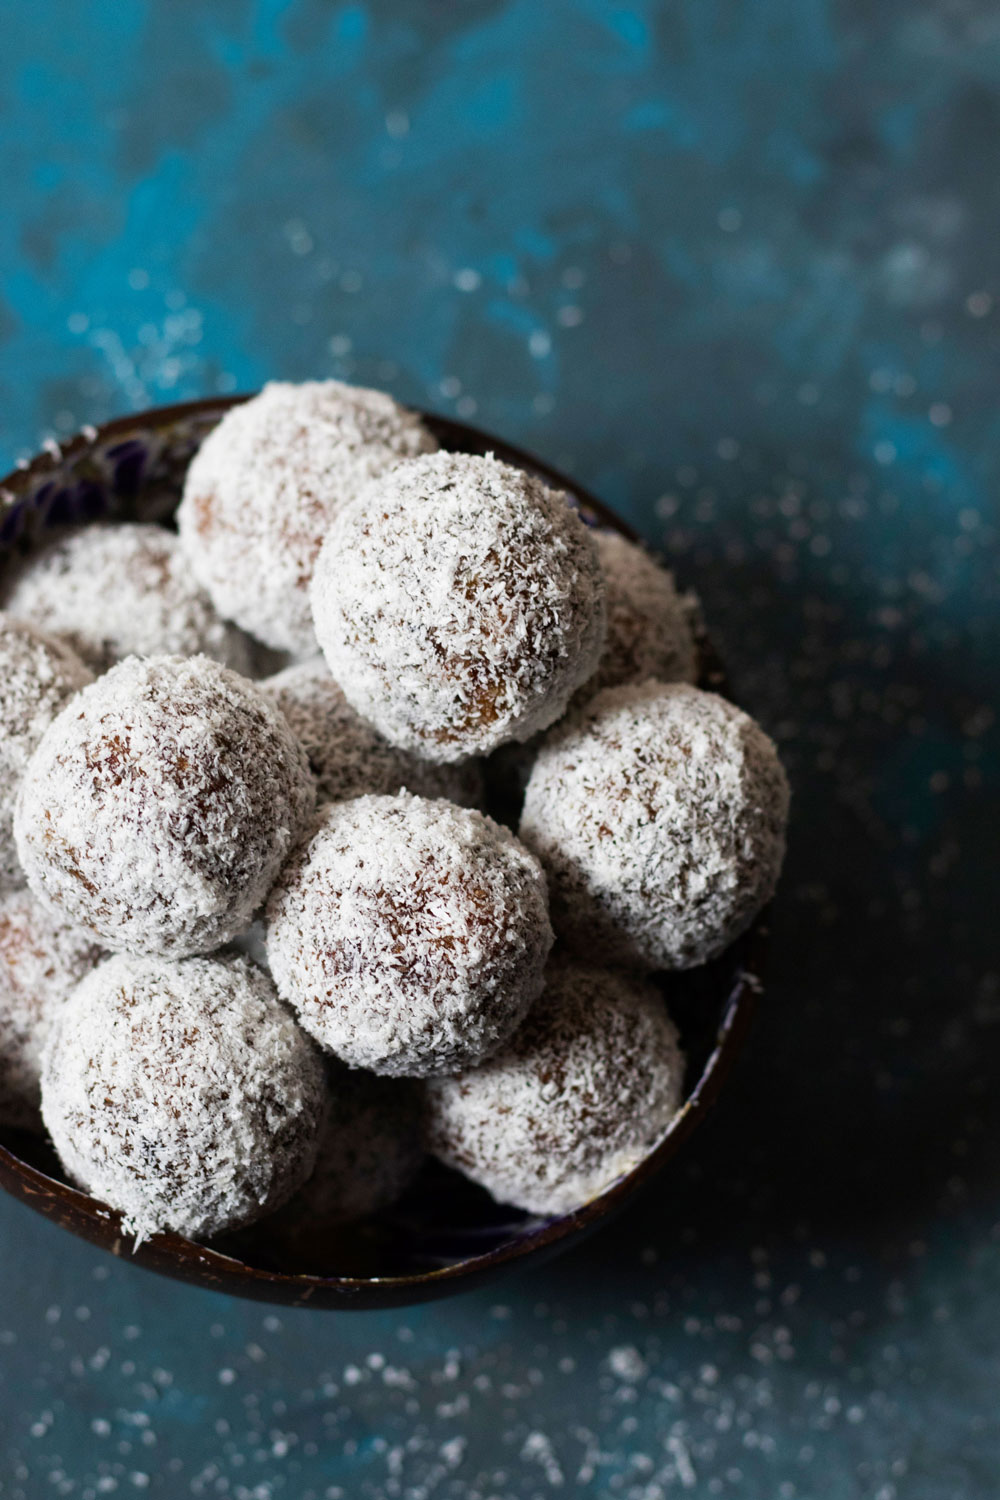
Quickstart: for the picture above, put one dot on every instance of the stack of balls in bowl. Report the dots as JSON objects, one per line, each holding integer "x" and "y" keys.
{"x": 260, "y": 944}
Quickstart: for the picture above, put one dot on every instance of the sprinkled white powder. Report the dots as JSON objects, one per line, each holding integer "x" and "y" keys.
{"x": 649, "y": 622}
{"x": 37, "y": 676}
{"x": 182, "y": 1094}
{"x": 409, "y": 935}
{"x": 369, "y": 1150}
{"x": 160, "y": 805}
{"x": 123, "y": 590}
{"x": 659, "y": 813}
{"x": 580, "y": 1093}
{"x": 347, "y": 756}
{"x": 459, "y": 604}
{"x": 41, "y": 959}
{"x": 265, "y": 485}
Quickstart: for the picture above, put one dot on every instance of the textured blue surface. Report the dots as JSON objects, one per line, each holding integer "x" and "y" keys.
{"x": 737, "y": 266}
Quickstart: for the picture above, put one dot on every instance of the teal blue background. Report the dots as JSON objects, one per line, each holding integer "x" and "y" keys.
{"x": 734, "y": 264}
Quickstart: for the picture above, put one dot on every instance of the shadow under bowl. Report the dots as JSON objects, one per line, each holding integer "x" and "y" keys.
{"x": 445, "y": 1235}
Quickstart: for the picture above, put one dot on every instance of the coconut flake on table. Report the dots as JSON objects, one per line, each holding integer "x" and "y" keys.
{"x": 266, "y": 483}
{"x": 459, "y": 603}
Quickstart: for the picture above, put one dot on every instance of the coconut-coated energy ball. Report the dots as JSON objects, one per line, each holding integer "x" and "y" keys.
{"x": 370, "y": 1148}
{"x": 264, "y": 486}
{"x": 123, "y": 590}
{"x": 38, "y": 675}
{"x": 41, "y": 960}
{"x": 160, "y": 805}
{"x": 659, "y": 814}
{"x": 459, "y": 603}
{"x": 410, "y": 936}
{"x": 182, "y": 1093}
{"x": 348, "y": 757}
{"x": 579, "y": 1095}
{"x": 649, "y": 622}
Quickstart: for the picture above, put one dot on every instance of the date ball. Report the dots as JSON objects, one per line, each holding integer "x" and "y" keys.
{"x": 583, "y": 1090}
{"x": 410, "y": 936}
{"x": 649, "y": 623}
{"x": 266, "y": 483}
{"x": 160, "y": 805}
{"x": 659, "y": 814}
{"x": 347, "y": 756}
{"x": 41, "y": 960}
{"x": 38, "y": 675}
{"x": 370, "y": 1148}
{"x": 123, "y": 590}
{"x": 459, "y": 603}
{"x": 182, "y": 1094}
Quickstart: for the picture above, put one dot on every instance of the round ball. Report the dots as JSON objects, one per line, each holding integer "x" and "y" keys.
{"x": 41, "y": 959}
{"x": 159, "y": 807}
{"x": 649, "y": 622}
{"x": 37, "y": 677}
{"x": 459, "y": 604}
{"x": 265, "y": 485}
{"x": 410, "y": 936}
{"x": 182, "y": 1094}
{"x": 659, "y": 814}
{"x": 578, "y": 1096}
{"x": 347, "y": 756}
{"x": 123, "y": 590}
{"x": 370, "y": 1148}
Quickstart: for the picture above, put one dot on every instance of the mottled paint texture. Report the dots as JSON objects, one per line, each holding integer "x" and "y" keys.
{"x": 736, "y": 264}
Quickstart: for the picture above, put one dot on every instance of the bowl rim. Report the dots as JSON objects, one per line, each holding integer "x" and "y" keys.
{"x": 186, "y": 1260}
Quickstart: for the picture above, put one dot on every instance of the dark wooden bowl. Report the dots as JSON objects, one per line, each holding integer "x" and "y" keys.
{"x": 445, "y": 1235}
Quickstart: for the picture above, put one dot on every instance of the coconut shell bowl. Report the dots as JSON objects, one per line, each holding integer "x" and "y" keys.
{"x": 445, "y": 1235}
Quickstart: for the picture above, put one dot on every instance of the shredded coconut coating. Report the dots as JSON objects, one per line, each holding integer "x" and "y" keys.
{"x": 182, "y": 1094}
{"x": 578, "y": 1096}
{"x": 120, "y": 590}
{"x": 649, "y": 622}
{"x": 370, "y": 1148}
{"x": 160, "y": 805}
{"x": 261, "y": 492}
{"x": 659, "y": 814}
{"x": 348, "y": 757}
{"x": 459, "y": 603}
{"x": 41, "y": 959}
{"x": 38, "y": 674}
{"x": 409, "y": 935}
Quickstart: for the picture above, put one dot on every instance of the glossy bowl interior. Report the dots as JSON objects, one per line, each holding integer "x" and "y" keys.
{"x": 445, "y": 1235}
